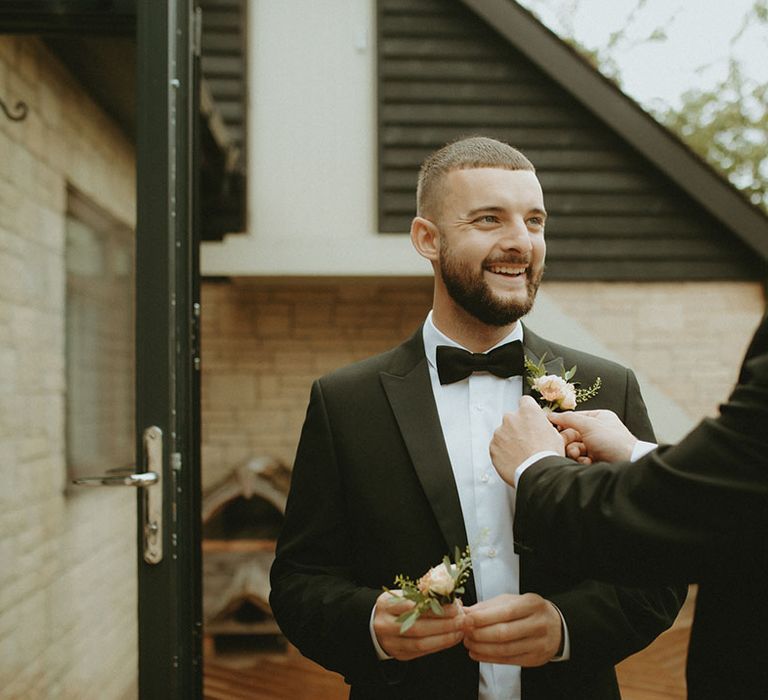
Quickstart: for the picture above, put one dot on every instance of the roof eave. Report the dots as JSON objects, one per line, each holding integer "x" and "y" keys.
{"x": 606, "y": 101}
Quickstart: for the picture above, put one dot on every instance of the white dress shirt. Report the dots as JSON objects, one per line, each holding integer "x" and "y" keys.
{"x": 470, "y": 410}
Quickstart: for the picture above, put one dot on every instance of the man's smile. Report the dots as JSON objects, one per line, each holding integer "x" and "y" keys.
{"x": 507, "y": 270}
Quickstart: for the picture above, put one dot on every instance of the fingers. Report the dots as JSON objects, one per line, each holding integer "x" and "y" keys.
{"x": 501, "y": 608}
{"x": 530, "y": 410}
{"x": 522, "y": 433}
{"x": 574, "y": 446}
{"x": 417, "y": 641}
{"x": 524, "y": 630}
{"x": 391, "y": 604}
{"x": 397, "y": 607}
{"x": 405, "y": 648}
{"x": 570, "y": 435}
{"x": 570, "y": 419}
{"x": 524, "y": 653}
{"x": 427, "y": 635}
{"x": 576, "y": 450}
{"x": 601, "y": 413}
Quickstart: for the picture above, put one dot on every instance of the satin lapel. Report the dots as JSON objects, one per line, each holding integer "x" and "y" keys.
{"x": 412, "y": 401}
{"x": 536, "y": 348}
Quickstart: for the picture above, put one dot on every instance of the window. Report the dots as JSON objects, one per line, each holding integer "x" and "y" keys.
{"x": 99, "y": 340}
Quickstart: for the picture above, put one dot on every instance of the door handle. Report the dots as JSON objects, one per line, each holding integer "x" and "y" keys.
{"x": 141, "y": 480}
{"x": 151, "y": 484}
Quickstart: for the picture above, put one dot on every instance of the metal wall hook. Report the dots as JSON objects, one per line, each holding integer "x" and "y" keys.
{"x": 20, "y": 111}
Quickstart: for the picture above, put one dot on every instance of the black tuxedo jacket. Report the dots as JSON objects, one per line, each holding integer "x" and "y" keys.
{"x": 697, "y": 511}
{"x": 373, "y": 496}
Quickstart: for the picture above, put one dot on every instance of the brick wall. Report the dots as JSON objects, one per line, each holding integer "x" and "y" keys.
{"x": 264, "y": 341}
{"x": 688, "y": 338}
{"x": 67, "y": 572}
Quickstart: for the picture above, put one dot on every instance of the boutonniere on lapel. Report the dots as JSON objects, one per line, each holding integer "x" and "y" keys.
{"x": 556, "y": 392}
{"x": 441, "y": 585}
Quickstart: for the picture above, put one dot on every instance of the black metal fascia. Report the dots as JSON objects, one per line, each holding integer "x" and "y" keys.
{"x": 81, "y": 17}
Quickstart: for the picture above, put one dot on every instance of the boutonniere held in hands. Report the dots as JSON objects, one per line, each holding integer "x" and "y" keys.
{"x": 441, "y": 585}
{"x": 557, "y": 393}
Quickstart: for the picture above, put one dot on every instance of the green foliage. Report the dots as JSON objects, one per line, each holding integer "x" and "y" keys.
{"x": 622, "y": 40}
{"x": 583, "y": 395}
{"x": 534, "y": 370}
{"x": 727, "y": 124}
{"x": 728, "y": 127}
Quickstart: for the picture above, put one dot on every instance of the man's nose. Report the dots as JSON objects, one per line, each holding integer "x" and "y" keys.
{"x": 516, "y": 236}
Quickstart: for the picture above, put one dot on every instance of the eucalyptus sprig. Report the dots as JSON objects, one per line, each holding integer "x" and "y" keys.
{"x": 589, "y": 393}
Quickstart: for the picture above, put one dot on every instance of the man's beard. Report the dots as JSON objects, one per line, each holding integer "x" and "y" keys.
{"x": 471, "y": 292}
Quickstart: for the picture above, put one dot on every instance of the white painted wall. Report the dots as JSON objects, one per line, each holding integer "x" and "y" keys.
{"x": 312, "y": 155}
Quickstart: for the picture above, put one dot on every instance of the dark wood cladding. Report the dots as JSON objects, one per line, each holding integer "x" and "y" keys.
{"x": 223, "y": 60}
{"x": 445, "y": 73}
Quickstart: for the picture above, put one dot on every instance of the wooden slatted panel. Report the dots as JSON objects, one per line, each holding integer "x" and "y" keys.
{"x": 224, "y": 64}
{"x": 444, "y": 73}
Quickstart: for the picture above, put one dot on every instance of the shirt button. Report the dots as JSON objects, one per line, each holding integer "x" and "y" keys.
{"x": 492, "y": 552}
{"x": 477, "y": 409}
{"x": 484, "y": 478}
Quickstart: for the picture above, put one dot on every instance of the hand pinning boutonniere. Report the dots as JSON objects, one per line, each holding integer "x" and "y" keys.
{"x": 441, "y": 585}
{"x": 558, "y": 393}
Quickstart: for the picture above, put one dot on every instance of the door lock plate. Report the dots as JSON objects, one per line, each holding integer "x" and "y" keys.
{"x": 152, "y": 497}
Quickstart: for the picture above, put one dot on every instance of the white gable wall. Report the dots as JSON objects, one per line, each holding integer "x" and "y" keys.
{"x": 312, "y": 156}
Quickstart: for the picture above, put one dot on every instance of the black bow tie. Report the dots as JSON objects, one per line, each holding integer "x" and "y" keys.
{"x": 454, "y": 364}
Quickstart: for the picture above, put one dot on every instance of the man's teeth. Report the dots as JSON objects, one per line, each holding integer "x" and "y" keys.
{"x": 505, "y": 270}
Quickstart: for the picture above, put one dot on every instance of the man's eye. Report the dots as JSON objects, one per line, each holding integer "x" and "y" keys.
{"x": 536, "y": 221}
{"x": 487, "y": 219}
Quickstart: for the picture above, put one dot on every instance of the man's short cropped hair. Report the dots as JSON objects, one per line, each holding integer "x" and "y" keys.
{"x": 464, "y": 154}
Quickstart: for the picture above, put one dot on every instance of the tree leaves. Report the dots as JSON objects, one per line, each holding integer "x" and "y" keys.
{"x": 728, "y": 126}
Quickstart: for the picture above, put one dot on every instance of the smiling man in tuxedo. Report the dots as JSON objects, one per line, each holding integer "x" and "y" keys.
{"x": 393, "y": 471}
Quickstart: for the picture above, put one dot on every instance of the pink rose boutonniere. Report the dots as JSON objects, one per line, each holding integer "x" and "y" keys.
{"x": 557, "y": 392}
{"x": 441, "y": 585}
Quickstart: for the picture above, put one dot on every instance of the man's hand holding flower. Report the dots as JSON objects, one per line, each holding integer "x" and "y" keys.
{"x": 429, "y": 634}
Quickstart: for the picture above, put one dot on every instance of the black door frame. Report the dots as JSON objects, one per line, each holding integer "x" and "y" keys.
{"x": 167, "y": 356}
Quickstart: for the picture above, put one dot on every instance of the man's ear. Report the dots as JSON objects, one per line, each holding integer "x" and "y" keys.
{"x": 425, "y": 238}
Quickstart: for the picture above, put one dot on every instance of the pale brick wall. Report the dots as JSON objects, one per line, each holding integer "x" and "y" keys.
{"x": 688, "y": 338}
{"x": 264, "y": 341}
{"x": 67, "y": 559}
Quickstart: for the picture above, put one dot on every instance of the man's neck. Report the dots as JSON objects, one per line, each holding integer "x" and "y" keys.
{"x": 468, "y": 331}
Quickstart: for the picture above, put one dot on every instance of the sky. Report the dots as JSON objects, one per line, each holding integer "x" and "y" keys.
{"x": 694, "y": 54}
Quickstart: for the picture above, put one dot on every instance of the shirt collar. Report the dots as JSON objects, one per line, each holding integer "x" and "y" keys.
{"x": 434, "y": 337}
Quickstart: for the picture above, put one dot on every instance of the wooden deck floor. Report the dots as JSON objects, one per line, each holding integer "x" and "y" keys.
{"x": 656, "y": 673}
